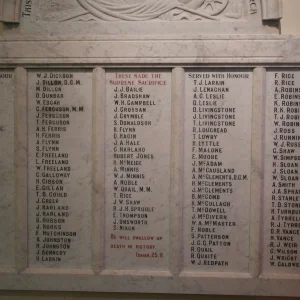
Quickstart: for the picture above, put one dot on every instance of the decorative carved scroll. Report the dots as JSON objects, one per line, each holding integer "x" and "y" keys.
{"x": 10, "y": 11}
{"x": 272, "y": 9}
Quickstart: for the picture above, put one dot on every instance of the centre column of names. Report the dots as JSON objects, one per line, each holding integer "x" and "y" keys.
{"x": 138, "y": 141}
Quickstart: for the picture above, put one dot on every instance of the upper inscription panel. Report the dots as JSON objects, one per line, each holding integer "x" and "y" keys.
{"x": 168, "y": 16}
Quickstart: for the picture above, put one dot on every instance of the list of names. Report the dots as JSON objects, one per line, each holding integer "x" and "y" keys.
{"x": 60, "y": 164}
{"x": 138, "y": 145}
{"x": 7, "y": 172}
{"x": 282, "y": 180}
{"x": 217, "y": 170}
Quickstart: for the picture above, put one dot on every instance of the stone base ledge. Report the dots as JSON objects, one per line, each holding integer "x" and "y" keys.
{"x": 228, "y": 49}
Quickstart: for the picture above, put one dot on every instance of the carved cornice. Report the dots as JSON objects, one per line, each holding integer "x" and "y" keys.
{"x": 272, "y": 9}
{"x": 10, "y": 11}
{"x": 204, "y": 49}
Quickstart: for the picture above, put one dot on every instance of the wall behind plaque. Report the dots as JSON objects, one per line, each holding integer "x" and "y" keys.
{"x": 290, "y": 24}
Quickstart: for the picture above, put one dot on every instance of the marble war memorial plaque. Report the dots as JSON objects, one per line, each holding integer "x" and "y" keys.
{"x": 149, "y": 146}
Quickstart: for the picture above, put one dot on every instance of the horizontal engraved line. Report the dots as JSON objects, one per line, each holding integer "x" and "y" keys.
{"x": 230, "y": 38}
{"x": 152, "y": 58}
{"x": 207, "y": 274}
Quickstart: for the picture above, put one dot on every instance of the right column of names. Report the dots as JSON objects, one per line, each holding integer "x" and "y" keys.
{"x": 282, "y": 181}
{"x": 217, "y": 155}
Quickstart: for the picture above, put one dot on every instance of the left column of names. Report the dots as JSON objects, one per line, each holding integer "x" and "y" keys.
{"x": 7, "y": 171}
{"x": 60, "y": 168}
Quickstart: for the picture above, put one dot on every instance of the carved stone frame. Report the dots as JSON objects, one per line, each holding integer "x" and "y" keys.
{"x": 94, "y": 52}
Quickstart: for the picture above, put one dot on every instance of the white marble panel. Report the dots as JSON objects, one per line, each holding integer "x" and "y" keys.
{"x": 137, "y": 168}
{"x": 217, "y": 153}
{"x": 7, "y": 173}
{"x": 281, "y": 239}
{"x": 60, "y": 168}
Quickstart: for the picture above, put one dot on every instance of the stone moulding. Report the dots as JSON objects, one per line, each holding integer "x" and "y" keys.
{"x": 272, "y": 10}
{"x": 225, "y": 49}
{"x": 10, "y": 11}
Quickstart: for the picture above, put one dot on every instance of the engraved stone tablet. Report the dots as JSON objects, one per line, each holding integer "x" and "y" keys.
{"x": 282, "y": 181}
{"x": 7, "y": 169}
{"x": 60, "y": 164}
{"x": 138, "y": 139}
{"x": 218, "y": 108}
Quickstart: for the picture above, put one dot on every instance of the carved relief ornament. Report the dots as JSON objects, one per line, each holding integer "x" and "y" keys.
{"x": 172, "y": 10}
{"x": 142, "y": 10}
